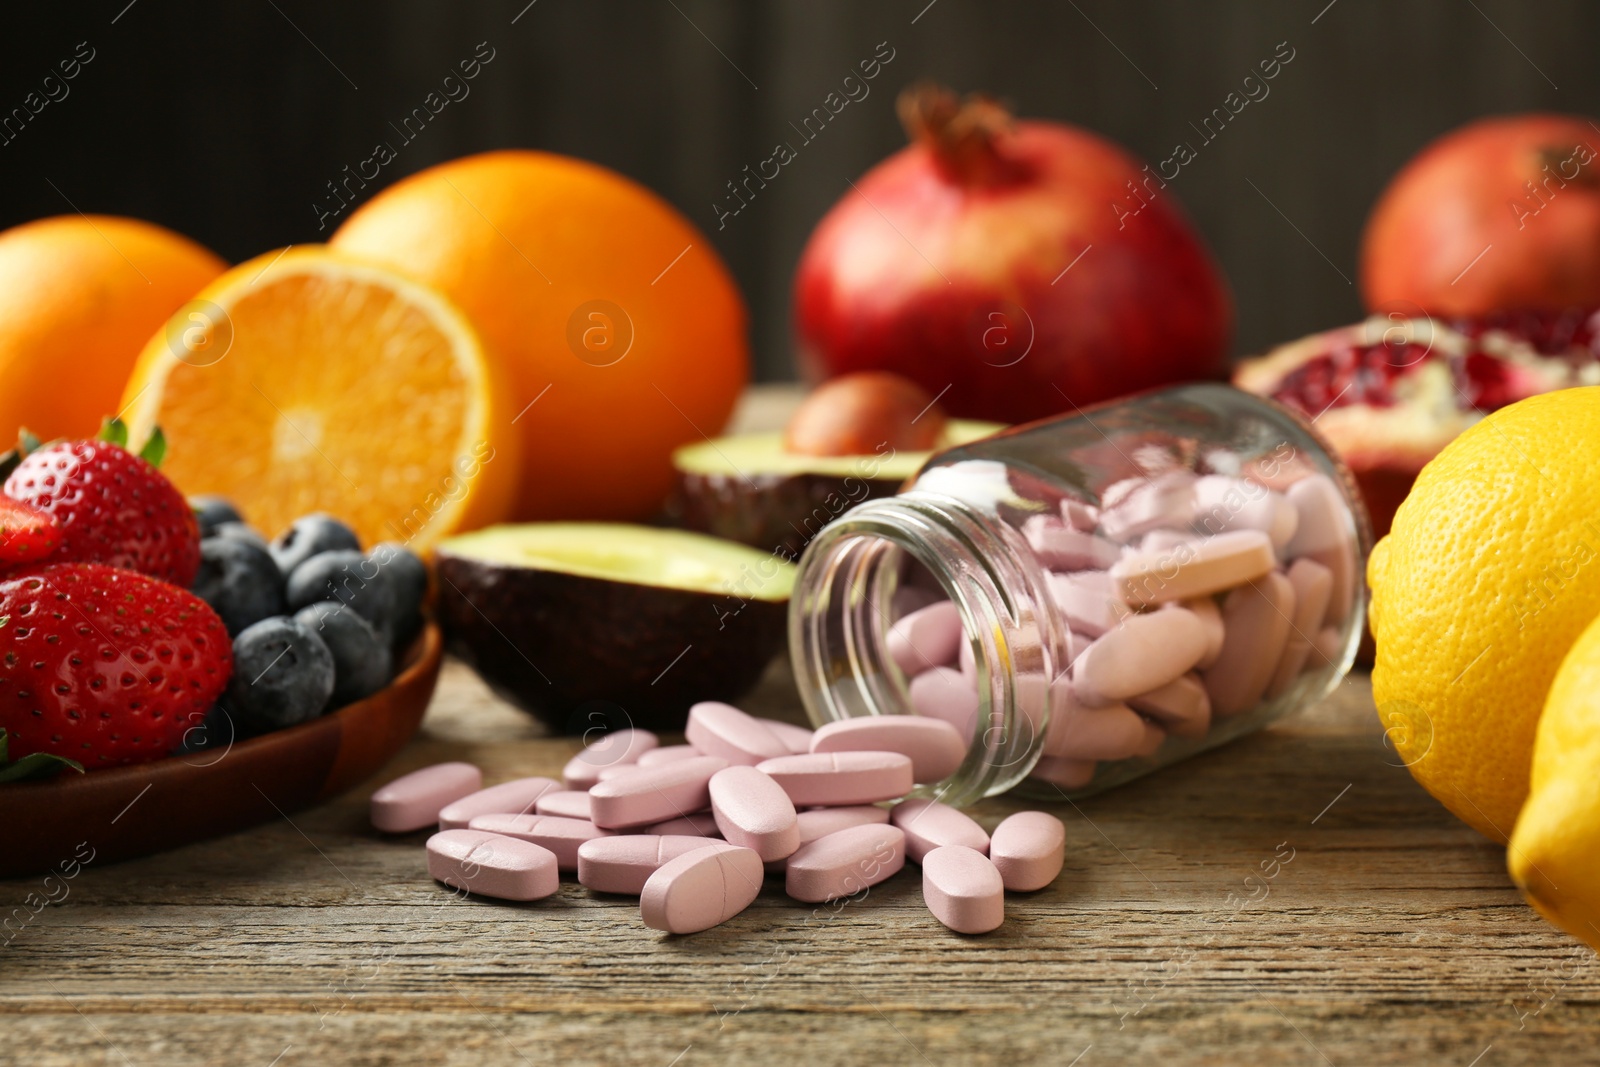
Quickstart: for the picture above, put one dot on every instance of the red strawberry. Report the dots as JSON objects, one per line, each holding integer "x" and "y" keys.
{"x": 105, "y": 666}
{"x": 26, "y": 534}
{"x": 113, "y": 507}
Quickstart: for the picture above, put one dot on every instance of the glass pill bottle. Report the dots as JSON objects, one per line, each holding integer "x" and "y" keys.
{"x": 1094, "y": 596}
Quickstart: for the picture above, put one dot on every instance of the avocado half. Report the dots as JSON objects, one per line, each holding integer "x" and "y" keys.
{"x": 611, "y": 625}
{"x": 749, "y": 488}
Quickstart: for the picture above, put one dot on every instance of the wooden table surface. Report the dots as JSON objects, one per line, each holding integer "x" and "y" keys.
{"x": 1292, "y": 898}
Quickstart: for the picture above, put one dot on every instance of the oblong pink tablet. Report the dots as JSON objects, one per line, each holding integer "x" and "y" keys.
{"x": 820, "y": 822}
{"x": 1313, "y": 584}
{"x": 414, "y": 800}
{"x": 935, "y": 748}
{"x": 700, "y": 889}
{"x": 492, "y": 865}
{"x": 517, "y": 797}
{"x": 963, "y": 889}
{"x": 841, "y": 779}
{"x": 929, "y": 824}
{"x": 1223, "y": 504}
{"x": 946, "y": 693}
{"x": 1144, "y": 653}
{"x": 722, "y": 730}
{"x": 1028, "y": 849}
{"x": 754, "y": 812}
{"x": 1081, "y": 732}
{"x": 567, "y": 803}
{"x": 699, "y": 824}
{"x": 652, "y": 794}
{"x": 1326, "y": 649}
{"x": 1207, "y": 566}
{"x": 1325, "y": 535}
{"x": 1210, "y": 615}
{"x": 668, "y": 754}
{"x": 624, "y": 862}
{"x": 1257, "y": 618}
{"x": 1182, "y": 707}
{"x": 797, "y": 738}
{"x": 844, "y": 863}
{"x": 1061, "y": 547}
{"x": 560, "y": 835}
{"x": 925, "y": 639}
{"x": 614, "y": 749}
{"x": 1135, "y": 506}
{"x": 1087, "y": 600}
{"x": 1064, "y": 771}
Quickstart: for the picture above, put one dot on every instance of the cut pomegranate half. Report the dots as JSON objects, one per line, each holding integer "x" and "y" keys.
{"x": 1390, "y": 392}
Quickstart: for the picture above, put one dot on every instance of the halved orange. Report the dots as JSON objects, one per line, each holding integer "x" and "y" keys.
{"x": 305, "y": 381}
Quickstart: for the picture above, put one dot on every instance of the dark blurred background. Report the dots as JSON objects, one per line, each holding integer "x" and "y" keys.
{"x": 226, "y": 121}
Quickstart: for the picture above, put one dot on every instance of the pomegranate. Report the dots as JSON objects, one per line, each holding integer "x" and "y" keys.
{"x": 1390, "y": 392}
{"x": 860, "y": 414}
{"x": 1501, "y": 213}
{"x": 1027, "y": 267}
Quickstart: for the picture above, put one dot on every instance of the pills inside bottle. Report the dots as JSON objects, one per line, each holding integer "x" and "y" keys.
{"x": 1092, "y": 597}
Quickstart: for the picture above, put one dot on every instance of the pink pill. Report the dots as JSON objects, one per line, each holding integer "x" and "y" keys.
{"x": 1087, "y": 601}
{"x": 841, "y": 779}
{"x": 1313, "y": 585}
{"x": 492, "y": 865}
{"x": 1326, "y": 535}
{"x": 1198, "y": 569}
{"x": 945, "y": 693}
{"x": 700, "y": 889}
{"x": 414, "y": 800}
{"x": 963, "y": 889}
{"x": 925, "y": 639}
{"x": 653, "y": 794}
{"x": 616, "y": 771}
{"x": 516, "y": 797}
{"x": 617, "y": 748}
{"x": 1257, "y": 618}
{"x": 1223, "y": 504}
{"x": 1182, "y": 707}
{"x": 668, "y": 754}
{"x": 623, "y": 863}
{"x": 1060, "y": 547}
{"x": 1076, "y": 730}
{"x": 1028, "y": 849}
{"x": 820, "y": 822}
{"x": 1064, "y": 771}
{"x": 1205, "y": 609}
{"x": 567, "y": 803}
{"x": 929, "y": 824}
{"x": 1327, "y": 649}
{"x": 1165, "y": 540}
{"x": 1078, "y": 515}
{"x": 1144, "y": 653}
{"x": 1135, "y": 506}
{"x": 1154, "y": 737}
{"x": 724, "y": 731}
{"x": 935, "y": 748}
{"x": 844, "y": 863}
{"x": 700, "y": 824}
{"x": 754, "y": 812}
{"x": 797, "y": 738}
{"x": 561, "y": 836}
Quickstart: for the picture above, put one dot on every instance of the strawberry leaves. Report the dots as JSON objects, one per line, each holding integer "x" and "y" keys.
{"x": 32, "y": 767}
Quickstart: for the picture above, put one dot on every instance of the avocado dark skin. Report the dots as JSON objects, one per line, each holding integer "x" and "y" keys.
{"x": 779, "y": 513}
{"x": 577, "y": 652}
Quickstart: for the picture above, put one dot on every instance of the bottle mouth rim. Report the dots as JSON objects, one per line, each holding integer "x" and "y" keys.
{"x": 839, "y": 614}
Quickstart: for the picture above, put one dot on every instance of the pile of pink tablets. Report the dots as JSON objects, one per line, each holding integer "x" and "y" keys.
{"x": 1187, "y": 601}
{"x": 693, "y": 829}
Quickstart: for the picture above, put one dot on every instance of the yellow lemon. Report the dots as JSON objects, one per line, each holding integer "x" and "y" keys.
{"x": 1488, "y": 576}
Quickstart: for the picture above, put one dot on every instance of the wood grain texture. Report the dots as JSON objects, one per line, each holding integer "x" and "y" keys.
{"x": 1389, "y": 933}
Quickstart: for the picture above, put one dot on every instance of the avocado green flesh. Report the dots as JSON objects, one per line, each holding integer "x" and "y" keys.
{"x": 637, "y": 555}
{"x": 758, "y": 454}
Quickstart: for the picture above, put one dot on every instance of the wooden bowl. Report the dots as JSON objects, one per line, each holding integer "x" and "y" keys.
{"x": 124, "y": 812}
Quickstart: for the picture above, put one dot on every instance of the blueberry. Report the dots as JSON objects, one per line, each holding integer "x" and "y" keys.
{"x": 350, "y": 578}
{"x": 282, "y": 676}
{"x": 309, "y": 536}
{"x": 361, "y": 660}
{"x": 212, "y": 511}
{"x": 237, "y": 531}
{"x": 240, "y": 582}
{"x": 410, "y": 581}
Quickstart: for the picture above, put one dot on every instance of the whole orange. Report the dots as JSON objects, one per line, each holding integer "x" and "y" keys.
{"x": 79, "y": 297}
{"x": 623, "y": 330}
